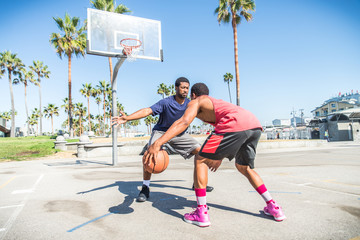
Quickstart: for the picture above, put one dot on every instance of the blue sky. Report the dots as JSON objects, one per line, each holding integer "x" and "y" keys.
{"x": 293, "y": 55}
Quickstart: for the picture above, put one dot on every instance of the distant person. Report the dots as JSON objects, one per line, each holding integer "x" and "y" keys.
{"x": 236, "y": 134}
{"x": 170, "y": 109}
{"x": 326, "y": 135}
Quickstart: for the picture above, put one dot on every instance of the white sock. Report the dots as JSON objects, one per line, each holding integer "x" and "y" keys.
{"x": 146, "y": 182}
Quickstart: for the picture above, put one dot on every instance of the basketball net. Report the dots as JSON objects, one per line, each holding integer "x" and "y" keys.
{"x": 131, "y": 48}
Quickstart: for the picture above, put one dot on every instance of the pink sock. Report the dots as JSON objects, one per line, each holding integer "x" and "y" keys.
{"x": 264, "y": 193}
{"x": 200, "y": 197}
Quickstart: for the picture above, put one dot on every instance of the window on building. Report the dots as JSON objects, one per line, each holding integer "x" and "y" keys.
{"x": 333, "y": 105}
{"x": 317, "y": 114}
{"x": 333, "y": 110}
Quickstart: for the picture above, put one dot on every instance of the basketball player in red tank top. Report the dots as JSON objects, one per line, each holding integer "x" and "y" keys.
{"x": 236, "y": 134}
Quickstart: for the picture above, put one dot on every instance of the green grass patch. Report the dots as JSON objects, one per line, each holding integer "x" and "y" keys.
{"x": 24, "y": 148}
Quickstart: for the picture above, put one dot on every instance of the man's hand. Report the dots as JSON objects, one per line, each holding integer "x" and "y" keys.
{"x": 117, "y": 120}
{"x": 151, "y": 153}
{"x": 213, "y": 164}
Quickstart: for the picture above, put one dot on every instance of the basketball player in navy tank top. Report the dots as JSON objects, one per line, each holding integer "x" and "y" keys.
{"x": 169, "y": 110}
{"x": 236, "y": 134}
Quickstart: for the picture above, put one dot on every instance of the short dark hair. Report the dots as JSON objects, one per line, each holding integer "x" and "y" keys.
{"x": 180, "y": 80}
{"x": 200, "y": 89}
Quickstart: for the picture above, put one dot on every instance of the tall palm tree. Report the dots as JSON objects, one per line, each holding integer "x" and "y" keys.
{"x": 110, "y": 6}
{"x": 228, "y": 77}
{"x": 66, "y": 109}
{"x": 80, "y": 111}
{"x": 49, "y": 112}
{"x": 172, "y": 90}
{"x": 163, "y": 90}
{"x": 36, "y": 115}
{"x": 88, "y": 91}
{"x": 234, "y": 11}
{"x": 32, "y": 120}
{"x": 6, "y": 116}
{"x": 148, "y": 121}
{"x": 42, "y": 71}
{"x": 12, "y": 64}
{"x": 72, "y": 41}
{"x": 103, "y": 88}
{"x": 24, "y": 77}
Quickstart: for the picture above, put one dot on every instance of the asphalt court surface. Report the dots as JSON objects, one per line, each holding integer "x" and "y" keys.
{"x": 318, "y": 188}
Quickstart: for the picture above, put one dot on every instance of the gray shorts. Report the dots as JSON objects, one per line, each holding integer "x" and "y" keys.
{"x": 184, "y": 144}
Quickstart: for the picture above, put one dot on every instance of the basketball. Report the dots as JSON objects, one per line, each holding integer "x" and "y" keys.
{"x": 162, "y": 161}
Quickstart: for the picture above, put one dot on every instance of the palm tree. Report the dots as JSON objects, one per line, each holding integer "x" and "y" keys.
{"x": 24, "y": 77}
{"x": 172, "y": 90}
{"x": 228, "y": 77}
{"x": 235, "y": 10}
{"x": 80, "y": 111}
{"x": 148, "y": 121}
{"x": 88, "y": 91}
{"x": 36, "y": 115}
{"x": 66, "y": 109}
{"x": 73, "y": 41}
{"x": 103, "y": 88}
{"x": 6, "y": 116}
{"x": 32, "y": 120}
{"x": 12, "y": 64}
{"x": 42, "y": 72}
{"x": 100, "y": 119}
{"x": 49, "y": 112}
{"x": 163, "y": 90}
{"x": 110, "y": 6}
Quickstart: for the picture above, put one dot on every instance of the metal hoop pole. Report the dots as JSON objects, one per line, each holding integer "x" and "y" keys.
{"x": 114, "y": 111}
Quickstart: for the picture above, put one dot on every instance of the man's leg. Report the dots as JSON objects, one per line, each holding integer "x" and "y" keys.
{"x": 255, "y": 180}
{"x": 145, "y": 189}
{"x": 195, "y": 152}
{"x": 200, "y": 216}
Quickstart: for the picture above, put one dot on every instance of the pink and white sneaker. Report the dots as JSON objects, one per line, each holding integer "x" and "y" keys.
{"x": 273, "y": 209}
{"x": 199, "y": 217}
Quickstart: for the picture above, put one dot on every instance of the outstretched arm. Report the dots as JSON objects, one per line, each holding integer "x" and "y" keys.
{"x": 176, "y": 128}
{"x": 117, "y": 120}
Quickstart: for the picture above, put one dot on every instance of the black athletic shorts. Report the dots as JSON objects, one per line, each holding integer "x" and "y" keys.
{"x": 241, "y": 145}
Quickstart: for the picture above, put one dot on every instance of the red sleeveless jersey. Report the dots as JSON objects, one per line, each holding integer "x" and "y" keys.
{"x": 232, "y": 118}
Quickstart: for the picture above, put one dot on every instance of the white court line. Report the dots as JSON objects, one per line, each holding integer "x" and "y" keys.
{"x": 12, "y": 206}
{"x": 328, "y": 190}
{"x": 17, "y": 211}
{"x": 22, "y": 191}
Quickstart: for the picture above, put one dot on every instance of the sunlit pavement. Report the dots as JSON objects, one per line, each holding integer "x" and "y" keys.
{"x": 318, "y": 188}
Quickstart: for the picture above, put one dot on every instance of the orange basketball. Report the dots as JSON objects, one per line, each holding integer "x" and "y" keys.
{"x": 162, "y": 161}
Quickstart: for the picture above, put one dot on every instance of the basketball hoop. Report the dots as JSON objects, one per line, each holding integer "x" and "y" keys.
{"x": 131, "y": 48}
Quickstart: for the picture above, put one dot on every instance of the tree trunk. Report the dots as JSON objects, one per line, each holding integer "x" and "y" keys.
{"x": 12, "y": 129}
{"x": 40, "y": 107}
{"x": 233, "y": 22}
{"x": 88, "y": 100}
{"x": 229, "y": 91}
{"x": 27, "y": 113}
{"x": 111, "y": 70}
{"x": 104, "y": 113}
{"x": 52, "y": 125}
{"x": 70, "y": 101}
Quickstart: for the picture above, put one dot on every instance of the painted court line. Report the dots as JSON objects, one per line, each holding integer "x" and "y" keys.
{"x": 86, "y": 223}
{"x": 7, "y": 182}
{"x": 12, "y": 206}
{"x": 17, "y": 211}
{"x": 23, "y": 191}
